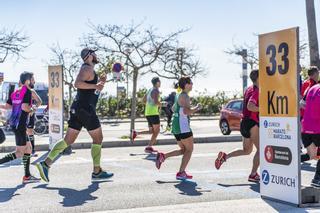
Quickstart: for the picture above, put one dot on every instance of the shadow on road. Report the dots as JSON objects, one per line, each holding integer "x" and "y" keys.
{"x": 253, "y": 186}
{"x": 150, "y": 156}
{"x": 186, "y": 187}
{"x": 73, "y": 197}
{"x": 7, "y": 194}
{"x": 282, "y": 207}
{"x": 44, "y": 156}
{"x": 15, "y": 162}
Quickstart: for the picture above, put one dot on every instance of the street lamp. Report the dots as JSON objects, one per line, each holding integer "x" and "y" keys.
{"x": 243, "y": 53}
{"x": 127, "y": 51}
{"x": 180, "y": 53}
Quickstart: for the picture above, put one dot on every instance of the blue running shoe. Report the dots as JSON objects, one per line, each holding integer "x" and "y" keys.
{"x": 43, "y": 170}
{"x": 101, "y": 176}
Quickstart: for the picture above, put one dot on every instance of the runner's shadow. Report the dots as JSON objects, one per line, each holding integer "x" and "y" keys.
{"x": 73, "y": 197}
{"x": 253, "y": 186}
{"x": 189, "y": 188}
{"x": 43, "y": 157}
{"x": 151, "y": 157}
{"x": 7, "y": 194}
{"x": 15, "y": 162}
{"x": 139, "y": 154}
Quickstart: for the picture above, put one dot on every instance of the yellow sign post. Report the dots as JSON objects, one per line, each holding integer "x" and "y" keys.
{"x": 279, "y": 115}
{"x": 55, "y": 102}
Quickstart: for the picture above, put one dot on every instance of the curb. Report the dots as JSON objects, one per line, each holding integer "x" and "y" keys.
{"x": 141, "y": 120}
{"x": 127, "y": 143}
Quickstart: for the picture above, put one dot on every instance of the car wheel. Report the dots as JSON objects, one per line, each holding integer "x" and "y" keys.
{"x": 224, "y": 127}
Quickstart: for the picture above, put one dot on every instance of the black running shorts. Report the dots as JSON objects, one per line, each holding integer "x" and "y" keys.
{"x": 20, "y": 136}
{"x": 31, "y": 122}
{"x": 153, "y": 120}
{"x": 183, "y": 136}
{"x": 81, "y": 116}
{"x": 308, "y": 139}
{"x": 246, "y": 125}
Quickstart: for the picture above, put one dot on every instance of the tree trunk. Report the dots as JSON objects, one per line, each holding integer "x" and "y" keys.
{"x": 312, "y": 32}
{"x": 70, "y": 96}
{"x": 134, "y": 99}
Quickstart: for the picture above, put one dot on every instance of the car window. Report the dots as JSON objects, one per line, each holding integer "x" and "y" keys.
{"x": 229, "y": 106}
{"x": 237, "y": 105}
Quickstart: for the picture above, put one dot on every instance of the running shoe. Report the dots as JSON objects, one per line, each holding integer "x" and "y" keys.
{"x": 30, "y": 179}
{"x": 222, "y": 157}
{"x": 101, "y": 176}
{"x": 183, "y": 176}
{"x": 43, "y": 170}
{"x": 160, "y": 159}
{"x": 254, "y": 178}
{"x": 149, "y": 150}
{"x": 133, "y": 134}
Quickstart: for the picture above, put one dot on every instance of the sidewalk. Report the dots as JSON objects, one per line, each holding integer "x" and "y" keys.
{"x": 256, "y": 205}
{"x": 116, "y": 135}
{"x": 127, "y": 120}
{"x": 85, "y": 143}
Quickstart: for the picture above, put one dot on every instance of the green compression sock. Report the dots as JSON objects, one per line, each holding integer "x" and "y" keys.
{"x": 96, "y": 154}
{"x": 57, "y": 149}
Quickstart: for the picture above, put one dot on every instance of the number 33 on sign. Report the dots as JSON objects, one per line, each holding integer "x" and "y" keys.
{"x": 278, "y": 73}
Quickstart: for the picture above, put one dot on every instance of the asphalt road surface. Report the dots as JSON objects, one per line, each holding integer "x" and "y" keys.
{"x": 136, "y": 184}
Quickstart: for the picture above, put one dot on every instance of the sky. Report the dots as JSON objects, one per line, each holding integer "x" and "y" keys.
{"x": 215, "y": 26}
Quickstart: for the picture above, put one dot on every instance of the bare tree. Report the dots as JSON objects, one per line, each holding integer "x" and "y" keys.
{"x": 70, "y": 62}
{"x": 12, "y": 43}
{"x": 178, "y": 62}
{"x": 140, "y": 47}
{"x": 252, "y": 52}
{"x": 312, "y": 32}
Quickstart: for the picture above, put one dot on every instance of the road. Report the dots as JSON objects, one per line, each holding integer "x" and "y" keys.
{"x": 137, "y": 183}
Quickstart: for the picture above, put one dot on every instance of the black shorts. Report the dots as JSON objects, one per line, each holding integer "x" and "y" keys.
{"x": 183, "y": 136}
{"x": 31, "y": 122}
{"x": 308, "y": 139}
{"x": 246, "y": 125}
{"x": 21, "y": 136}
{"x": 153, "y": 120}
{"x": 83, "y": 117}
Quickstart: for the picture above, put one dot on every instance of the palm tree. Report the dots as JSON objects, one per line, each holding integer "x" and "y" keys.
{"x": 312, "y": 32}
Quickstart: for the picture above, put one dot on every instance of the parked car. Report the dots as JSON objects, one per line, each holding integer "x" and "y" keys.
{"x": 230, "y": 116}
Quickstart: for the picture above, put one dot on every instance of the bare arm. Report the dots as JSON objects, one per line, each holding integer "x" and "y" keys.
{"x": 27, "y": 108}
{"x": 84, "y": 75}
{"x": 144, "y": 99}
{"x": 252, "y": 107}
{"x": 5, "y": 106}
{"x": 37, "y": 98}
{"x": 155, "y": 97}
{"x": 184, "y": 101}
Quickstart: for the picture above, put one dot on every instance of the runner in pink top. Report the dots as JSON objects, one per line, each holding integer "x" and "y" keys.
{"x": 251, "y": 95}
{"x": 311, "y": 130}
{"x": 311, "y": 119}
{"x": 249, "y": 128}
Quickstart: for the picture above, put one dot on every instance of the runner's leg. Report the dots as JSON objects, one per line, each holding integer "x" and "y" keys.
{"x": 188, "y": 149}
{"x": 69, "y": 139}
{"x": 255, "y": 139}
{"x": 97, "y": 139}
